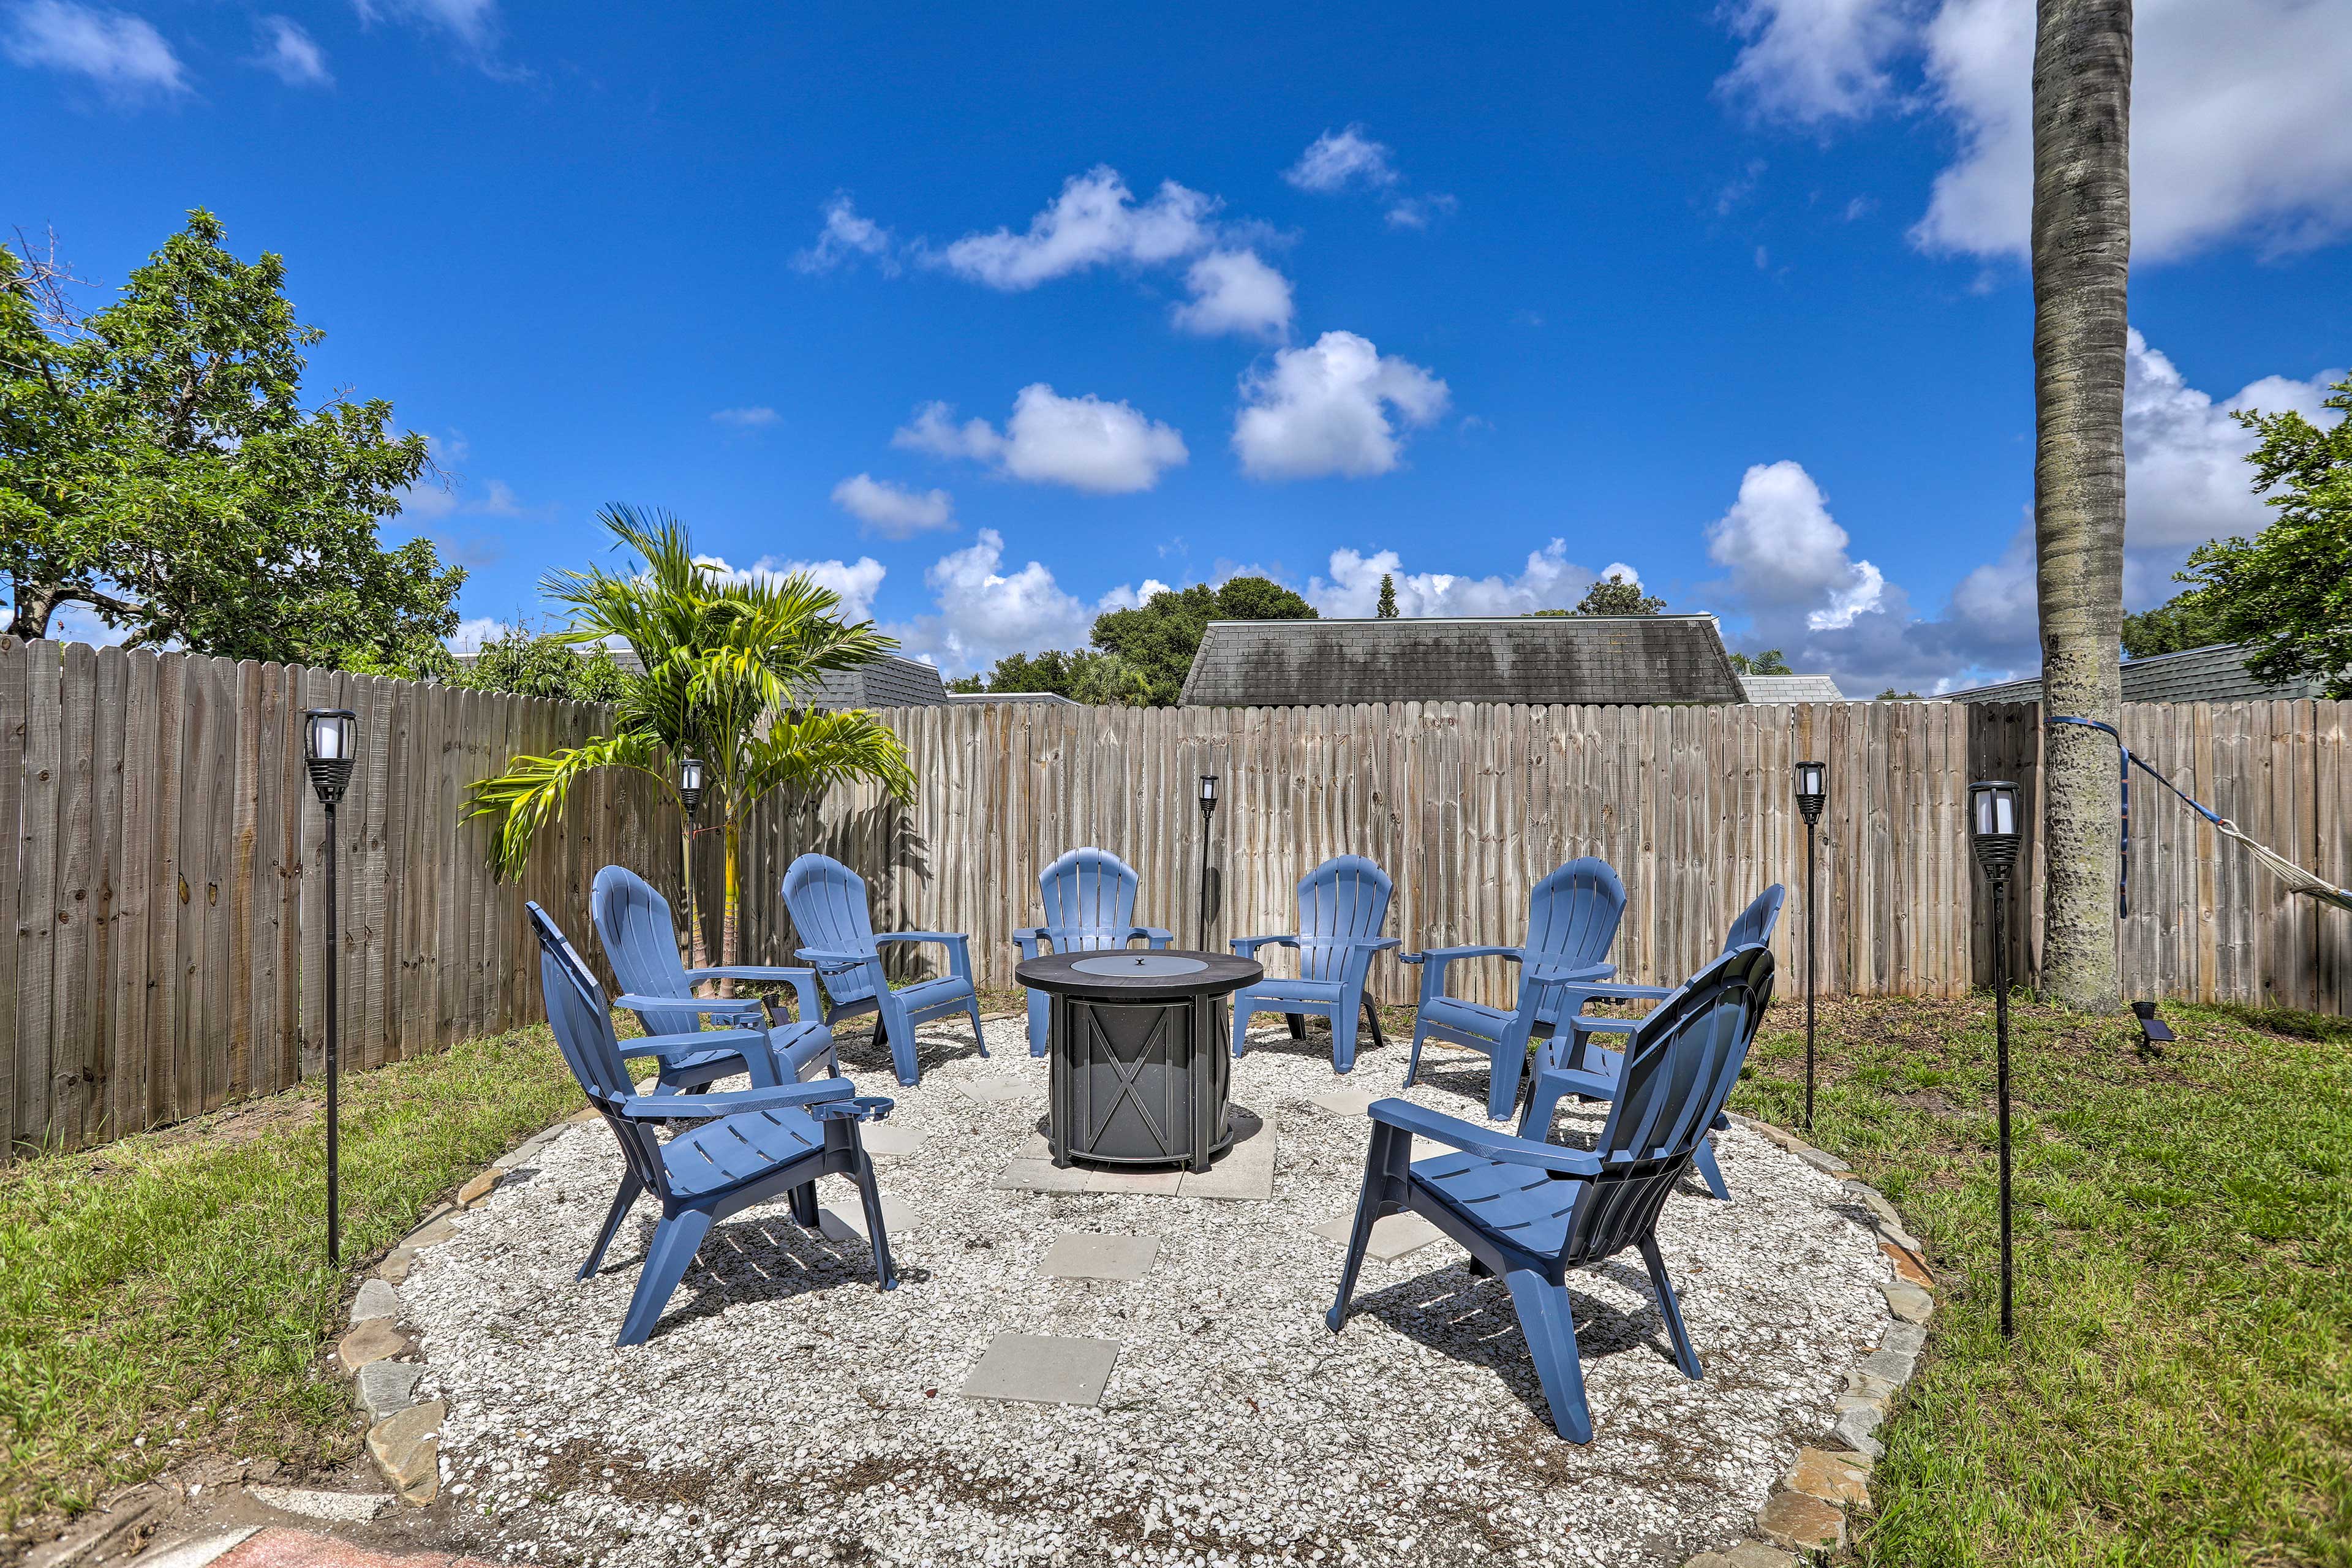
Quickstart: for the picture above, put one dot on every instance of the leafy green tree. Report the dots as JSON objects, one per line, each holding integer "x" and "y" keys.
{"x": 1388, "y": 608}
{"x": 1891, "y": 695}
{"x": 534, "y": 664}
{"x": 159, "y": 464}
{"x": 723, "y": 665}
{"x": 1051, "y": 671}
{"x": 1156, "y": 641}
{"x": 2180, "y": 623}
{"x": 2288, "y": 592}
{"x": 1613, "y": 595}
{"x": 1769, "y": 662}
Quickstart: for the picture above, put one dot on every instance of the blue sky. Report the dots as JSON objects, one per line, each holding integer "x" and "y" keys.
{"x": 995, "y": 318}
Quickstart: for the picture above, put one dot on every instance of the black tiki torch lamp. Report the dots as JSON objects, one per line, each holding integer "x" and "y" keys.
{"x": 1208, "y": 809}
{"x": 1812, "y": 780}
{"x": 689, "y": 795}
{"x": 1992, "y": 825}
{"x": 328, "y": 737}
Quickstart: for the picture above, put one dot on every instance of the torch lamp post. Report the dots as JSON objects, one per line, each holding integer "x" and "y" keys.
{"x": 328, "y": 735}
{"x": 1812, "y": 781}
{"x": 1993, "y": 828}
{"x": 1208, "y": 809}
{"x": 689, "y": 795}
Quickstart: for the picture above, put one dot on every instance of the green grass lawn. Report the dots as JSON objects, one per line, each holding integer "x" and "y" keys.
{"x": 2180, "y": 1390}
{"x": 169, "y": 1295}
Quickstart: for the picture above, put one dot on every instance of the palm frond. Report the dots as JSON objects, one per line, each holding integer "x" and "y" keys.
{"x": 810, "y": 753}
{"x": 533, "y": 790}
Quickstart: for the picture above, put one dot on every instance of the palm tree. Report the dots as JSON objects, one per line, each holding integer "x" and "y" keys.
{"x": 724, "y": 663}
{"x": 2082, "y": 252}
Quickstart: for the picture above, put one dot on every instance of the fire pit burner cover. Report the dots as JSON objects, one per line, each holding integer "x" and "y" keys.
{"x": 1152, "y": 965}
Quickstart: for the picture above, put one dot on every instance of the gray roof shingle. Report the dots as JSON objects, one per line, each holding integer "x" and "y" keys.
{"x": 1791, "y": 689}
{"x": 1533, "y": 658}
{"x": 2214, "y": 674}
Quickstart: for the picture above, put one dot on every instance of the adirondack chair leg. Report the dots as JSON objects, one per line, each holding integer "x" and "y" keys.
{"x": 1503, "y": 1083}
{"x": 1387, "y": 1169}
{"x": 1040, "y": 1025}
{"x": 630, "y": 1189}
{"x": 1478, "y": 1269}
{"x": 870, "y": 1197}
{"x": 1704, "y": 1158}
{"x": 978, "y": 1038}
{"x": 1536, "y": 1120}
{"x": 1372, "y": 1016}
{"x": 1297, "y": 1022}
{"x": 1242, "y": 1017}
{"x": 902, "y": 1052}
{"x": 1343, "y": 1042}
{"x": 803, "y": 1200}
{"x": 1551, "y": 1329}
{"x": 1685, "y": 1356}
{"x": 1413, "y": 1061}
{"x": 677, "y": 1241}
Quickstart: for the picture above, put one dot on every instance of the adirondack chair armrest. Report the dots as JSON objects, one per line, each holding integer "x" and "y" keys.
{"x": 702, "y": 1107}
{"x": 1442, "y": 956}
{"x": 958, "y": 943}
{"x": 1031, "y": 940}
{"x": 1486, "y": 1142}
{"x": 722, "y": 1007}
{"x": 835, "y": 963}
{"x": 668, "y": 1046}
{"x": 1380, "y": 944}
{"x": 1616, "y": 993}
{"x": 1157, "y": 936}
{"x": 802, "y": 981}
{"x": 1247, "y": 946}
{"x": 1607, "y": 1026}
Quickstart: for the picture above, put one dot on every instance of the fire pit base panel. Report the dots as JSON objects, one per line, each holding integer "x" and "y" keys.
{"x": 1140, "y": 1053}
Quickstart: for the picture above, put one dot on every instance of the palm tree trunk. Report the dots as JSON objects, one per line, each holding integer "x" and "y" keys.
{"x": 729, "y": 927}
{"x": 2081, "y": 253}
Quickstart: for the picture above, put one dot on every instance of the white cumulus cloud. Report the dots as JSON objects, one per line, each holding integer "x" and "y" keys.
{"x": 1236, "y": 291}
{"x": 1550, "y": 581}
{"x": 2237, "y": 110}
{"x": 1086, "y": 443}
{"x": 848, "y": 234}
{"x": 1784, "y": 550}
{"x": 2185, "y": 475}
{"x": 122, "y": 52}
{"x": 1339, "y": 159}
{"x": 1094, "y": 221}
{"x": 1332, "y": 407}
{"x": 984, "y": 612}
{"x": 290, "y": 54}
{"x": 892, "y": 511}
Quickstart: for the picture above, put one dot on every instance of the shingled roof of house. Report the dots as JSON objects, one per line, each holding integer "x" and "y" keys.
{"x": 1529, "y": 659}
{"x": 1791, "y": 689}
{"x": 2213, "y": 674}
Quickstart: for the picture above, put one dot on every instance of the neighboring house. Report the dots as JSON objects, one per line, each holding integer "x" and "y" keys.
{"x": 1044, "y": 699}
{"x": 2215, "y": 674}
{"x": 1626, "y": 659}
{"x": 1791, "y": 688}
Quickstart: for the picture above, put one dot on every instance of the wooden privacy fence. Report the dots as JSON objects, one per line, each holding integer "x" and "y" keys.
{"x": 160, "y": 915}
{"x": 161, "y": 901}
{"x": 1468, "y": 805}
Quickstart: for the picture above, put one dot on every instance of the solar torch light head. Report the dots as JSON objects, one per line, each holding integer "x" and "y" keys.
{"x": 1208, "y": 793}
{"x": 330, "y": 741}
{"x": 1993, "y": 827}
{"x": 1812, "y": 781}
{"x": 689, "y": 784}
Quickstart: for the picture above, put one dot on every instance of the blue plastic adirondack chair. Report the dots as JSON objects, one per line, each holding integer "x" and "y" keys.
{"x": 633, "y": 923}
{"x": 1576, "y": 1066}
{"x": 1343, "y": 905}
{"x": 1572, "y": 918}
{"x": 1529, "y": 1211}
{"x": 1089, "y": 899}
{"x": 742, "y": 1148}
{"x": 827, "y": 901}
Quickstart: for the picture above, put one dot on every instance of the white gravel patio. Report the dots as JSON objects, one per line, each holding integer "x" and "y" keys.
{"x": 787, "y": 1410}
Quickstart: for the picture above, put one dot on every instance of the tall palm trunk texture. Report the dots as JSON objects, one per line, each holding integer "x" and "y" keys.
{"x": 2081, "y": 253}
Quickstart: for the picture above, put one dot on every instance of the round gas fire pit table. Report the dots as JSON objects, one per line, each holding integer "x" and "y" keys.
{"x": 1141, "y": 1054}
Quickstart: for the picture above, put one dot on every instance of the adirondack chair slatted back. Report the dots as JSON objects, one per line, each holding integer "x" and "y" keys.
{"x": 1573, "y": 914}
{"x": 583, "y": 1026}
{"x": 640, "y": 942}
{"x": 1678, "y": 1071}
{"x": 1343, "y": 901}
{"x": 827, "y": 903}
{"x": 1756, "y": 922}
{"x": 1089, "y": 898}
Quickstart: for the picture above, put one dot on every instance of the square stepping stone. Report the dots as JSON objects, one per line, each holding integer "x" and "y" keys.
{"x": 1393, "y": 1235}
{"x": 1348, "y": 1103}
{"x": 882, "y": 1138}
{"x": 847, "y": 1222}
{"x": 1042, "y": 1369}
{"x": 1244, "y": 1172}
{"x": 1041, "y": 1176}
{"x": 1150, "y": 1182}
{"x": 997, "y": 1089}
{"x": 1084, "y": 1255}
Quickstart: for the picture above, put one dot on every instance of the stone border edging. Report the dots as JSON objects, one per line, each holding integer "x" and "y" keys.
{"x": 403, "y": 1434}
{"x": 1806, "y": 1512}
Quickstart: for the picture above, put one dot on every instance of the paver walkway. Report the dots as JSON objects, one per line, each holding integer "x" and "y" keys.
{"x": 293, "y": 1549}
